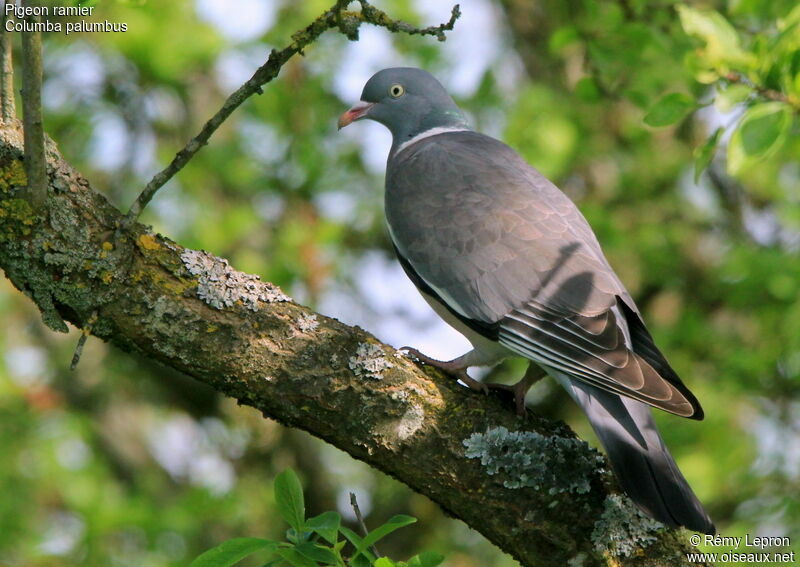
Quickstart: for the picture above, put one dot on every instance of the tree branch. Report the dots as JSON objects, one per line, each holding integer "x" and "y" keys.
{"x": 767, "y": 93}
{"x": 35, "y": 165}
{"x": 8, "y": 110}
{"x": 527, "y": 484}
{"x": 336, "y": 17}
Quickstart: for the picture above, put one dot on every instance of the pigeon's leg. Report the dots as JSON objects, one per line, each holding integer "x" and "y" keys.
{"x": 457, "y": 368}
{"x": 532, "y": 375}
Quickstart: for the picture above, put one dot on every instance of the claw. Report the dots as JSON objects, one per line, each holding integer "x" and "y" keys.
{"x": 456, "y": 369}
{"x": 518, "y": 390}
{"x": 448, "y": 367}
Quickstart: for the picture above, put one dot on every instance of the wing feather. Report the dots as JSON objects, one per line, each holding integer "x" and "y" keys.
{"x": 512, "y": 256}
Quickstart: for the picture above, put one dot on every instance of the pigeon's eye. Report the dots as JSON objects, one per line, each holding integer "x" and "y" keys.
{"x": 396, "y": 91}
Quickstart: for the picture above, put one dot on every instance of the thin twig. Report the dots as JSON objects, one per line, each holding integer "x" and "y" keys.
{"x": 7, "y": 108}
{"x": 336, "y": 17}
{"x": 361, "y": 524}
{"x": 769, "y": 94}
{"x": 373, "y": 15}
{"x": 35, "y": 165}
{"x": 86, "y": 330}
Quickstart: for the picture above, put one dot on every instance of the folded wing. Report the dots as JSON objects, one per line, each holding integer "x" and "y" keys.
{"x": 512, "y": 257}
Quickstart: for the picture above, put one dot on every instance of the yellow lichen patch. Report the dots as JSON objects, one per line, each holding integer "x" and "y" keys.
{"x": 16, "y": 216}
{"x": 172, "y": 285}
{"x": 12, "y": 175}
{"x": 148, "y": 242}
{"x": 211, "y": 329}
{"x": 107, "y": 246}
{"x": 178, "y": 287}
{"x": 107, "y": 277}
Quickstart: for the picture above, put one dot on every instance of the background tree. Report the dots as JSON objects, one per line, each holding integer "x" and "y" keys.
{"x": 125, "y": 461}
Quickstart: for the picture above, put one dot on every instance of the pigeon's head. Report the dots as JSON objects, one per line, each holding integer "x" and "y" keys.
{"x": 407, "y": 101}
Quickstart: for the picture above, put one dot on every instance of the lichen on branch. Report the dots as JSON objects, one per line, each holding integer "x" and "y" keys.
{"x": 143, "y": 294}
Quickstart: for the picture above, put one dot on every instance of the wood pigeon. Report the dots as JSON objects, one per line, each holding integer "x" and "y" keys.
{"x": 506, "y": 258}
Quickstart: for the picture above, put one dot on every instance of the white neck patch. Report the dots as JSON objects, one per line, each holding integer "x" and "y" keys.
{"x": 428, "y": 133}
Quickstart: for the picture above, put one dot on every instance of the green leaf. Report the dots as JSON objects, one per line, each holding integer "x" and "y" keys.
{"x": 764, "y": 127}
{"x": 295, "y": 558}
{"x": 394, "y": 523}
{"x": 699, "y": 67}
{"x": 761, "y": 132}
{"x": 705, "y": 153}
{"x": 736, "y": 157}
{"x": 669, "y": 109}
{"x": 563, "y": 37}
{"x": 326, "y": 525}
{"x": 426, "y": 559}
{"x": 232, "y": 551}
{"x": 362, "y": 556}
{"x": 587, "y": 90}
{"x": 289, "y": 499}
{"x": 352, "y": 536}
{"x": 294, "y": 536}
{"x": 384, "y": 562}
{"x": 730, "y": 97}
{"x": 722, "y": 43}
{"x": 317, "y": 553}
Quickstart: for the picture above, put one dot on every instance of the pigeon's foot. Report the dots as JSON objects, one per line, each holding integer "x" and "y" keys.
{"x": 454, "y": 368}
{"x": 518, "y": 390}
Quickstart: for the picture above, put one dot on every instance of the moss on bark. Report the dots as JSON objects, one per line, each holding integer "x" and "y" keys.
{"x": 145, "y": 293}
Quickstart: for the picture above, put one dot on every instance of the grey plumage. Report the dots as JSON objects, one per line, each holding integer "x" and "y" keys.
{"x": 506, "y": 257}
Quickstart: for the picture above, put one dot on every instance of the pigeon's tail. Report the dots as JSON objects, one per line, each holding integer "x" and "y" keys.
{"x": 641, "y": 461}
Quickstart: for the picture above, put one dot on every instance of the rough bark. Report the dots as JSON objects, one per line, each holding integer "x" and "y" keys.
{"x": 527, "y": 484}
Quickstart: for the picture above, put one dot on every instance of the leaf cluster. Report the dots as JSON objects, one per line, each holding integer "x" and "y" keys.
{"x": 312, "y": 542}
{"x": 759, "y": 74}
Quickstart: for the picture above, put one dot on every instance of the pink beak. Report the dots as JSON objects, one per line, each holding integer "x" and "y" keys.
{"x": 356, "y": 112}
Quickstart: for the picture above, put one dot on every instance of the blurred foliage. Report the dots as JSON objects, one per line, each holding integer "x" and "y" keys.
{"x": 124, "y": 462}
{"x": 321, "y": 540}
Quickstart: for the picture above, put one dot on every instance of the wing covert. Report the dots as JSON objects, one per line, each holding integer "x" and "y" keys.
{"x": 508, "y": 252}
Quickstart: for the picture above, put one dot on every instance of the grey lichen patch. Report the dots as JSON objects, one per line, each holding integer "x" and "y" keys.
{"x": 162, "y": 319}
{"x": 578, "y": 560}
{"x": 56, "y": 262}
{"x": 399, "y": 395}
{"x": 50, "y": 315}
{"x": 307, "y": 323}
{"x": 369, "y": 361}
{"x": 220, "y": 286}
{"x": 411, "y": 422}
{"x": 529, "y": 459}
{"x": 623, "y": 528}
